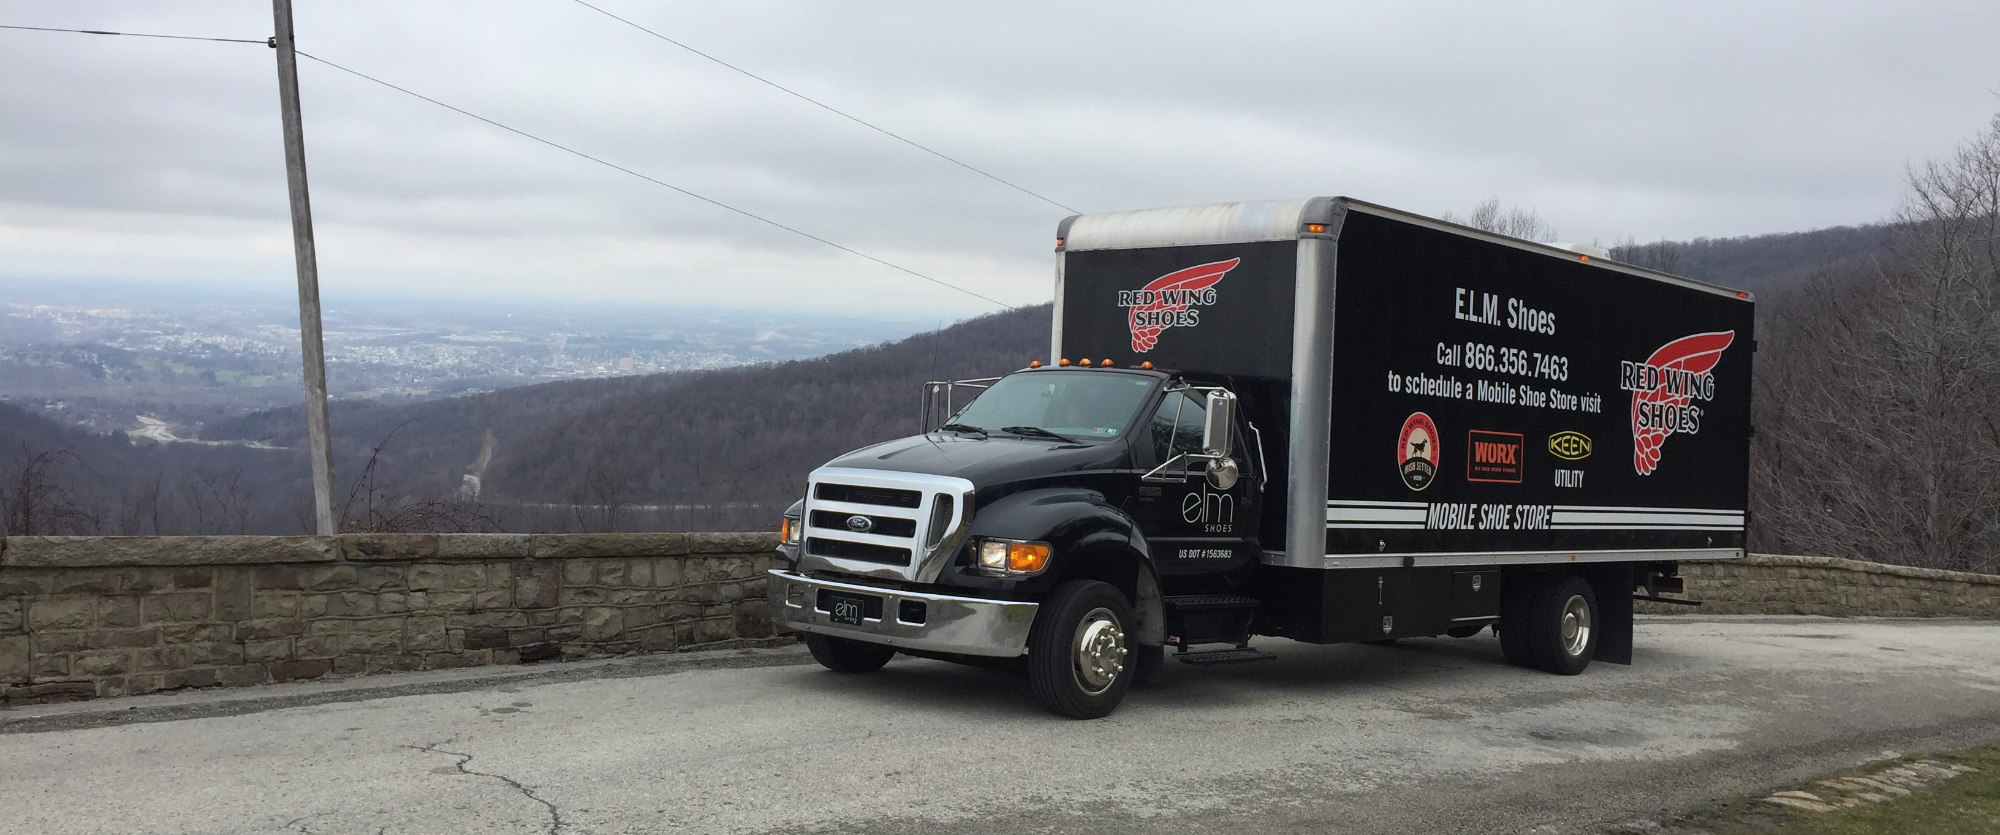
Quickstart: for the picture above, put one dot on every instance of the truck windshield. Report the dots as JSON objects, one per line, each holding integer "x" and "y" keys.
{"x": 1072, "y": 404}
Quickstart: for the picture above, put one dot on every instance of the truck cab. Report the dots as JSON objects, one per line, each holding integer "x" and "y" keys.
{"x": 1096, "y": 489}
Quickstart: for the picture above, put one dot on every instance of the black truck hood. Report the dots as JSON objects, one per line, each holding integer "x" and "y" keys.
{"x": 990, "y": 461}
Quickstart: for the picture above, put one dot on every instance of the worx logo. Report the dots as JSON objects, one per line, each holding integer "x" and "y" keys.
{"x": 1494, "y": 457}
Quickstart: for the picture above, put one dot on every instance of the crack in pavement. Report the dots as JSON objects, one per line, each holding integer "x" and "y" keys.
{"x": 300, "y": 824}
{"x": 555, "y": 814}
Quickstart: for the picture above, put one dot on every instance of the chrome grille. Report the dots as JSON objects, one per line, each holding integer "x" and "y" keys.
{"x": 883, "y": 523}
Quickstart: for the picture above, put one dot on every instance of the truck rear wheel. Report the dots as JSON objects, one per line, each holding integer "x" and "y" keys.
{"x": 1562, "y": 633}
{"x": 1079, "y": 655}
{"x": 844, "y": 656}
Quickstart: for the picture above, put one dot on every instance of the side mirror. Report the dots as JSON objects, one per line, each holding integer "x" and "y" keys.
{"x": 1216, "y": 432}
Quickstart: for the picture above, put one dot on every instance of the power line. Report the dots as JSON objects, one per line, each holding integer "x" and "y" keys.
{"x": 612, "y": 165}
{"x": 136, "y": 34}
{"x": 829, "y": 108}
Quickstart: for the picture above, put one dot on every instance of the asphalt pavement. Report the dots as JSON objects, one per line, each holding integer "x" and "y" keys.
{"x": 1435, "y": 735}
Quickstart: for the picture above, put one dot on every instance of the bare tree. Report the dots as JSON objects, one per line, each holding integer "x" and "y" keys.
{"x": 1664, "y": 256}
{"x": 36, "y": 500}
{"x": 375, "y": 506}
{"x": 218, "y": 494}
{"x": 1514, "y": 221}
{"x": 1879, "y": 426}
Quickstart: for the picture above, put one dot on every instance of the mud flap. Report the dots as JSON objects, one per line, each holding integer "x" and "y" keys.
{"x": 1612, "y": 585}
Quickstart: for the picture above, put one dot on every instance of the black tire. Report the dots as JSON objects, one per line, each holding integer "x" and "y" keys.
{"x": 1464, "y": 631}
{"x": 1516, "y": 592}
{"x": 1562, "y": 626}
{"x": 1084, "y": 622}
{"x": 844, "y": 656}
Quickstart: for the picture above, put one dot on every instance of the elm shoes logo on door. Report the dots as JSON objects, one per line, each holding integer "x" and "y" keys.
{"x": 1664, "y": 390}
{"x": 1173, "y": 300}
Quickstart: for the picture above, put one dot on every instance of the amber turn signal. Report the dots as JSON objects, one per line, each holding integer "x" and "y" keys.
{"x": 1027, "y": 557}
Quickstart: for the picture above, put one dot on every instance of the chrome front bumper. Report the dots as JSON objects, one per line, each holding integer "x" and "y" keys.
{"x": 962, "y": 625}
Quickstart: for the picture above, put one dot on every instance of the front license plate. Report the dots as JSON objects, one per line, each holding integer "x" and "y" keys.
{"x": 841, "y": 608}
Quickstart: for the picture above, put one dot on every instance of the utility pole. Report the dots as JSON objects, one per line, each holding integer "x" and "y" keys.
{"x": 319, "y": 445}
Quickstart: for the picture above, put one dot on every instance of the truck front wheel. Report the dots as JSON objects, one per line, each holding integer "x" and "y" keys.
{"x": 1080, "y": 659}
{"x": 844, "y": 656}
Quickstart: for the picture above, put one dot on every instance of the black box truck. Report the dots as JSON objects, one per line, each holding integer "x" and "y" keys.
{"x": 1320, "y": 419}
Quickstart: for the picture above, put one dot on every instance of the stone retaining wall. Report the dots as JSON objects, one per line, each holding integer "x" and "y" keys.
{"x": 85, "y": 617}
{"x": 1770, "y": 584}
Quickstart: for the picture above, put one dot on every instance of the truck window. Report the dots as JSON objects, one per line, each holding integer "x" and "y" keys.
{"x": 1074, "y": 404}
{"x": 1177, "y": 425}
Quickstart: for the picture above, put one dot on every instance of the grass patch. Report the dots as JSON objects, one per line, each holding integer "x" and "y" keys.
{"x": 1968, "y": 804}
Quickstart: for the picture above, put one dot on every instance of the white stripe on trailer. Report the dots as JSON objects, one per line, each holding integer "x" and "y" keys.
{"x": 1349, "y": 513}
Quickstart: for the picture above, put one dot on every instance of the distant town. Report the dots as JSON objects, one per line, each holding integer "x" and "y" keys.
{"x": 161, "y": 369}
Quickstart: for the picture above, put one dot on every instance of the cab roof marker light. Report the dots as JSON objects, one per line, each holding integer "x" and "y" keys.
{"x": 1105, "y": 362}
{"x": 1146, "y": 366}
{"x": 1064, "y": 362}
{"x": 1085, "y": 363}
{"x": 1034, "y": 363}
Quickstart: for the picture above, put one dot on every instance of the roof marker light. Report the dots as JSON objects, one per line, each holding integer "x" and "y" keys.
{"x": 1085, "y": 362}
{"x": 1315, "y": 228}
{"x": 1106, "y": 362}
{"x": 1064, "y": 362}
{"x": 1034, "y": 363}
{"x": 1147, "y": 365}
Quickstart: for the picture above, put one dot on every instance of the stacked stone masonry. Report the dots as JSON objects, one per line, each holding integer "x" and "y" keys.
{"x": 1769, "y": 584}
{"x": 88, "y": 617}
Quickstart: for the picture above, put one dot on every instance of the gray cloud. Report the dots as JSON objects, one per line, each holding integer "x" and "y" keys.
{"x": 160, "y": 159}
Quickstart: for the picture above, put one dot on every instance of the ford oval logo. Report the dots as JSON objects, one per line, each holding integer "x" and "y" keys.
{"x": 860, "y": 524}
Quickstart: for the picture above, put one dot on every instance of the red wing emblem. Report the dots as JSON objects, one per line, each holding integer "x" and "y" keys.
{"x": 1164, "y": 303}
{"x": 1664, "y": 390}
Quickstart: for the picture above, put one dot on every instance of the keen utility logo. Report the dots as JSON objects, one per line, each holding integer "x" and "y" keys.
{"x": 1417, "y": 451}
{"x": 1173, "y": 300}
{"x": 1569, "y": 445}
{"x": 1664, "y": 390}
{"x": 1495, "y": 458}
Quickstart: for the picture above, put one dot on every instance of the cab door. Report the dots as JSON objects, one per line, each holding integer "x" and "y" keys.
{"x": 1191, "y": 526}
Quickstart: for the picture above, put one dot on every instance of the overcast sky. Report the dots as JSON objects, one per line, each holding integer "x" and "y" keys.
{"x": 161, "y": 161}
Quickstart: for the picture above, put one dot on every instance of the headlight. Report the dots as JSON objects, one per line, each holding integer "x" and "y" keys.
{"x": 1005, "y": 557}
{"x": 788, "y": 530}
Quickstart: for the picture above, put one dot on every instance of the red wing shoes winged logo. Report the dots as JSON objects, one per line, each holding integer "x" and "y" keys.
{"x": 1664, "y": 390}
{"x": 1170, "y": 301}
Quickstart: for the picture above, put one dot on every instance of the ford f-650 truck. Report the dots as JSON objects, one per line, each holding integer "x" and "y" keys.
{"x": 1320, "y": 419}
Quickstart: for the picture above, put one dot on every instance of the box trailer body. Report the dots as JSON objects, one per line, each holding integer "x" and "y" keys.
{"x": 1319, "y": 419}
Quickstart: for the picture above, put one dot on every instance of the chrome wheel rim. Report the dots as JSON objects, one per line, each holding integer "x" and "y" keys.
{"x": 1575, "y": 625}
{"x": 1099, "y": 656}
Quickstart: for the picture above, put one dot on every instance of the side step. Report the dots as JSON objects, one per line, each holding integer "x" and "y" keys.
{"x": 1210, "y": 618}
{"x": 1238, "y": 655}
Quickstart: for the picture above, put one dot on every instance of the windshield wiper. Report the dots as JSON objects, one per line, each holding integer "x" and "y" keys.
{"x": 1033, "y": 432}
{"x": 960, "y": 427}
